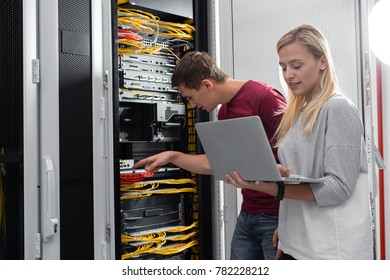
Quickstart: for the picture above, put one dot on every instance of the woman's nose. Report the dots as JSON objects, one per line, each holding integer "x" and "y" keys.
{"x": 288, "y": 73}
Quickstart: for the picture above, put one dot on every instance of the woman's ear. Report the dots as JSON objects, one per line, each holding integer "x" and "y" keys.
{"x": 323, "y": 63}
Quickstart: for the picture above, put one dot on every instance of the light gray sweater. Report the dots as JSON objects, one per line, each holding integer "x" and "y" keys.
{"x": 337, "y": 225}
{"x": 335, "y": 151}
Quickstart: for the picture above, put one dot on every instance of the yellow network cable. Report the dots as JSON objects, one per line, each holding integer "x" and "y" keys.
{"x": 147, "y": 237}
{"x": 141, "y": 193}
{"x": 136, "y": 25}
{"x": 140, "y": 250}
{"x": 170, "y": 191}
{"x": 144, "y": 248}
{"x": 178, "y": 181}
{"x": 181, "y": 237}
{"x": 155, "y": 184}
{"x": 127, "y": 46}
{"x": 138, "y": 185}
{"x": 168, "y": 49}
{"x": 160, "y": 250}
{"x": 182, "y": 228}
{"x": 148, "y": 24}
{"x": 140, "y": 19}
{"x": 131, "y": 189}
{"x": 185, "y": 27}
{"x": 157, "y": 235}
{"x": 174, "y": 32}
{"x": 175, "y": 248}
{"x": 168, "y": 229}
{"x": 135, "y": 195}
{"x": 141, "y": 48}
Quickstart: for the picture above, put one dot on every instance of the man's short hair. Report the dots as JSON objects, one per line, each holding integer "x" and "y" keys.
{"x": 193, "y": 68}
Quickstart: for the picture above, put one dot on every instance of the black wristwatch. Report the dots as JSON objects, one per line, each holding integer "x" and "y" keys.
{"x": 280, "y": 194}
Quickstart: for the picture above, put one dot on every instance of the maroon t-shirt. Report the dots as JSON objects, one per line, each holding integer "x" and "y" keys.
{"x": 261, "y": 99}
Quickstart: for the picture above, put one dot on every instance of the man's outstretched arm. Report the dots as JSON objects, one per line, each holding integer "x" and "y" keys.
{"x": 194, "y": 163}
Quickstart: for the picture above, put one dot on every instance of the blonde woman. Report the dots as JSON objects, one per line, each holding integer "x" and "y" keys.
{"x": 320, "y": 136}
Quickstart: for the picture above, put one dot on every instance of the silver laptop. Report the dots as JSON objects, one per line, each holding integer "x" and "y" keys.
{"x": 241, "y": 144}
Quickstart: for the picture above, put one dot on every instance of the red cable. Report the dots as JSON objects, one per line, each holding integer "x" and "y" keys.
{"x": 128, "y": 34}
{"x": 131, "y": 178}
{"x": 381, "y": 174}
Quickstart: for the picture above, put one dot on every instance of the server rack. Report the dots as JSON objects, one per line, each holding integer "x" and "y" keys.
{"x": 92, "y": 215}
{"x": 163, "y": 215}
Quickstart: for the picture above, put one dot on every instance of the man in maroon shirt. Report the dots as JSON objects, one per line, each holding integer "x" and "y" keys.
{"x": 205, "y": 86}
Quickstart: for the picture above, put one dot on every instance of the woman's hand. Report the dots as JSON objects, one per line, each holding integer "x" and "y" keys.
{"x": 275, "y": 241}
{"x": 236, "y": 180}
{"x": 275, "y": 237}
{"x": 284, "y": 171}
{"x": 266, "y": 187}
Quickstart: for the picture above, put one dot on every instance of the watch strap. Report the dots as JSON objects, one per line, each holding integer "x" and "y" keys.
{"x": 281, "y": 189}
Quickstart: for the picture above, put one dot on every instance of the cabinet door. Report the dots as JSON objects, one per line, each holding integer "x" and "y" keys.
{"x": 18, "y": 131}
{"x": 32, "y": 249}
{"x": 49, "y": 128}
{"x": 102, "y": 75}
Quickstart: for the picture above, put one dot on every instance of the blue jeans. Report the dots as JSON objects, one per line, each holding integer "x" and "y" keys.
{"x": 252, "y": 238}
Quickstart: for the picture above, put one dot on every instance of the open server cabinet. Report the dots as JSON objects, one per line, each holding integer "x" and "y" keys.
{"x": 136, "y": 113}
{"x": 76, "y": 111}
{"x": 166, "y": 214}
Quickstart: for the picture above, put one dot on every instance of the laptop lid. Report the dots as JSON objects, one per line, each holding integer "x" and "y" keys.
{"x": 241, "y": 144}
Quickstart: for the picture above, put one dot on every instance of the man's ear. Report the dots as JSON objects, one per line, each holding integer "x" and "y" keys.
{"x": 208, "y": 83}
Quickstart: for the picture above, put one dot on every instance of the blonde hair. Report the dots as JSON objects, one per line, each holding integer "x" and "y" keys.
{"x": 317, "y": 45}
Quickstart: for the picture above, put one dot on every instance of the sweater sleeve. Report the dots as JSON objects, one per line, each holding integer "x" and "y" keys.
{"x": 342, "y": 153}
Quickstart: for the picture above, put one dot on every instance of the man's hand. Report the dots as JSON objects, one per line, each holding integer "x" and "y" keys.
{"x": 154, "y": 163}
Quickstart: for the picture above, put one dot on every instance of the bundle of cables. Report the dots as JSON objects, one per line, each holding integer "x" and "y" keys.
{"x": 157, "y": 234}
{"x": 157, "y": 248}
{"x": 148, "y": 188}
{"x": 144, "y": 33}
{"x": 131, "y": 178}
